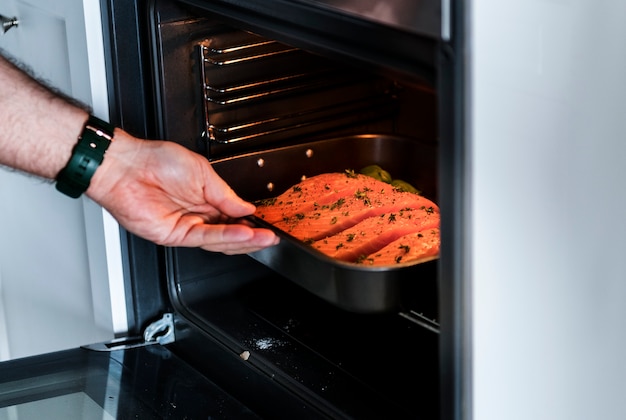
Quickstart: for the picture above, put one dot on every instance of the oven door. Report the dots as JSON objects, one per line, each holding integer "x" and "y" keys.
{"x": 143, "y": 377}
{"x": 177, "y": 370}
{"x": 147, "y": 382}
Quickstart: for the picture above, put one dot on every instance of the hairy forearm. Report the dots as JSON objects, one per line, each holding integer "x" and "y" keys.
{"x": 38, "y": 128}
{"x": 158, "y": 190}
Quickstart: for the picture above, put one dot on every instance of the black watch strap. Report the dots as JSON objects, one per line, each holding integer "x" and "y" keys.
{"x": 87, "y": 155}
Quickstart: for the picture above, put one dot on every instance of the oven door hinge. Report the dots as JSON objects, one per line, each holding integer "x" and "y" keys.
{"x": 158, "y": 332}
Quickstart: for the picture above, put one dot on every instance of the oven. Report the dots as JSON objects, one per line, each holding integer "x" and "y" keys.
{"x": 271, "y": 93}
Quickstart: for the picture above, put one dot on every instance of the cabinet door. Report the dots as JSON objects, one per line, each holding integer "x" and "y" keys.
{"x": 54, "y": 292}
{"x": 50, "y": 38}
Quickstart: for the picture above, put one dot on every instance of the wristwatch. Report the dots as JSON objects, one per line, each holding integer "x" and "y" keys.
{"x": 87, "y": 155}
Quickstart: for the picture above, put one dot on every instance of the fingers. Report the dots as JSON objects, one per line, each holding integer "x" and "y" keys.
{"x": 239, "y": 243}
{"x": 230, "y": 238}
{"x": 236, "y": 207}
{"x": 224, "y": 198}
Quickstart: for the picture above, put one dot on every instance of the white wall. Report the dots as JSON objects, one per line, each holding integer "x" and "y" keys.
{"x": 547, "y": 152}
{"x": 54, "y": 263}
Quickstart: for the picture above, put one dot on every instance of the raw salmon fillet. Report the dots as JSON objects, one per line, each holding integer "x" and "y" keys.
{"x": 353, "y": 206}
{"x": 312, "y": 193}
{"x": 412, "y": 247}
{"x": 376, "y": 232}
{"x": 349, "y": 216}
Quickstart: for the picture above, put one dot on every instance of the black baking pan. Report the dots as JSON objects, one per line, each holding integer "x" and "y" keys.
{"x": 353, "y": 287}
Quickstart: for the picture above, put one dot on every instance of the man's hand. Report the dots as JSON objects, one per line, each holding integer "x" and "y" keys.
{"x": 169, "y": 195}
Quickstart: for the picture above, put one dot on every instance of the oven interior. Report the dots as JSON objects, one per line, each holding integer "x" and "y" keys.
{"x": 227, "y": 90}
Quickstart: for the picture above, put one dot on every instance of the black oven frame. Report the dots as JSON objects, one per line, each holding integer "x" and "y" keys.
{"x": 132, "y": 107}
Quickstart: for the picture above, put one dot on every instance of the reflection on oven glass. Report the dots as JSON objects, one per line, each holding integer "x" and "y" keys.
{"x": 413, "y": 15}
{"x": 75, "y": 406}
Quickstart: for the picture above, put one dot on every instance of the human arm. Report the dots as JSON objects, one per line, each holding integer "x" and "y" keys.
{"x": 155, "y": 189}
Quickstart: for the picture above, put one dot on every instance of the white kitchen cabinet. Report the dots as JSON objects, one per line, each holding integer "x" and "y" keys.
{"x": 60, "y": 259}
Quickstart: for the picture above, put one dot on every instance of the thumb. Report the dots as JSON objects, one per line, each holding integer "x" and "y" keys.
{"x": 229, "y": 202}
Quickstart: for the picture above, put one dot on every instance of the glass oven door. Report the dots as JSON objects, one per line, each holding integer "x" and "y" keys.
{"x": 146, "y": 382}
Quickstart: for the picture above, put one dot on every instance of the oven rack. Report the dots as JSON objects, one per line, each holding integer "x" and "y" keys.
{"x": 256, "y": 90}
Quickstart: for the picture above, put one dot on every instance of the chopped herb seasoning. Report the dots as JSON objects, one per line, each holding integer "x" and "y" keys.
{"x": 297, "y": 188}
{"x": 326, "y": 187}
{"x": 350, "y": 173}
{"x": 363, "y": 259}
{"x": 405, "y": 248}
{"x": 362, "y": 195}
{"x": 337, "y": 204}
{"x": 398, "y": 259}
{"x": 267, "y": 201}
{"x": 392, "y": 218}
{"x": 339, "y": 245}
{"x": 309, "y": 241}
{"x": 350, "y": 237}
{"x": 333, "y": 220}
{"x": 299, "y": 216}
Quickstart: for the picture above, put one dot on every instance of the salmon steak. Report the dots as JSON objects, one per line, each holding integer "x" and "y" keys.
{"x": 313, "y": 193}
{"x": 376, "y": 232}
{"x": 409, "y": 248}
{"x": 349, "y": 216}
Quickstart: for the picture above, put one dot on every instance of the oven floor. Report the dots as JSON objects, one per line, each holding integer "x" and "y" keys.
{"x": 350, "y": 365}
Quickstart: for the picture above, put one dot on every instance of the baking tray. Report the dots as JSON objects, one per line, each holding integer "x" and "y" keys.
{"x": 353, "y": 287}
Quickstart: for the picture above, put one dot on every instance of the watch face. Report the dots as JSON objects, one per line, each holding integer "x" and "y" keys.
{"x": 87, "y": 155}
{"x": 100, "y": 127}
